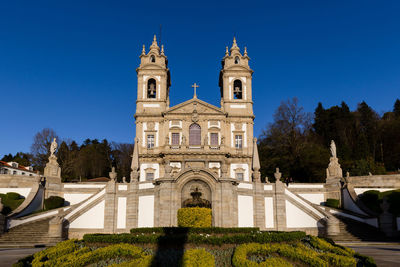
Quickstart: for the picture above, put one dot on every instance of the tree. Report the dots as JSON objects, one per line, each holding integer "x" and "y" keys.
{"x": 122, "y": 155}
{"x": 287, "y": 143}
{"x": 21, "y": 158}
{"x": 396, "y": 109}
{"x": 40, "y": 148}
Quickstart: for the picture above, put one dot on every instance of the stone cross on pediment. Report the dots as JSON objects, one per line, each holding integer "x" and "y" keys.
{"x": 195, "y": 86}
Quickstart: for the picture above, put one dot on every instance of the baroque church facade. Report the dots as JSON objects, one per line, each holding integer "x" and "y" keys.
{"x": 193, "y": 146}
{"x": 194, "y": 149}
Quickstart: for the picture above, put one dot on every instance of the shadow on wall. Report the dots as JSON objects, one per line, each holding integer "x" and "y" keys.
{"x": 170, "y": 247}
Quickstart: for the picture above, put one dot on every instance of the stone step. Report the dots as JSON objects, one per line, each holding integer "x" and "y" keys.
{"x": 29, "y": 234}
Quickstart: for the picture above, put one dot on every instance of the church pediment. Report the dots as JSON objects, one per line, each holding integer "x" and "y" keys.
{"x": 201, "y": 107}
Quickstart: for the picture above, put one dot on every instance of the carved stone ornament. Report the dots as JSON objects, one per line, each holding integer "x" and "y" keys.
{"x": 238, "y": 126}
{"x": 150, "y": 126}
{"x": 195, "y": 116}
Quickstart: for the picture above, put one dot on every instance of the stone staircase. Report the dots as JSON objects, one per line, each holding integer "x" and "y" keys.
{"x": 29, "y": 234}
{"x": 354, "y": 231}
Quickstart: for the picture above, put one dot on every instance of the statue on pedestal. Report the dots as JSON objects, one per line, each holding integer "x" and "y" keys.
{"x": 52, "y": 168}
{"x": 333, "y": 170}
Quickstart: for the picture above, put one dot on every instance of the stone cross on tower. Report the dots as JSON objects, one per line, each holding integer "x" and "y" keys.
{"x": 195, "y": 87}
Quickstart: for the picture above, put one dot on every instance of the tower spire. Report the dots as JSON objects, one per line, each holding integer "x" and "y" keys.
{"x": 154, "y": 45}
{"x": 234, "y": 45}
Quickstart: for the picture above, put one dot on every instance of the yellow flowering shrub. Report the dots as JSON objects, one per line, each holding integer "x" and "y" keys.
{"x": 198, "y": 258}
{"x": 194, "y": 217}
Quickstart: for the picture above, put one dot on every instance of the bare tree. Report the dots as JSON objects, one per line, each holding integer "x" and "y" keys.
{"x": 40, "y": 148}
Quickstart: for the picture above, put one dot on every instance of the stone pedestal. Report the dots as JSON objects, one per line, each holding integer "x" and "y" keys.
{"x": 56, "y": 227}
{"x": 387, "y": 220}
{"x": 334, "y": 175}
{"x": 332, "y": 226}
{"x": 52, "y": 172}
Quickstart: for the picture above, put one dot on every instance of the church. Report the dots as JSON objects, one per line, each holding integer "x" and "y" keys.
{"x": 194, "y": 145}
{"x": 193, "y": 149}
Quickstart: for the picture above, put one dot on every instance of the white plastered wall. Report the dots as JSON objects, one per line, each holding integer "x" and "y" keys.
{"x": 242, "y": 166}
{"x": 145, "y": 166}
{"x": 22, "y": 191}
{"x": 316, "y": 198}
{"x": 245, "y": 211}
{"x": 146, "y": 211}
{"x": 296, "y": 218}
{"x": 75, "y": 198}
{"x": 121, "y": 215}
{"x": 93, "y": 218}
{"x": 269, "y": 212}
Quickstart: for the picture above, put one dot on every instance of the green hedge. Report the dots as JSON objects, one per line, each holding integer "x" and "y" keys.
{"x": 11, "y": 201}
{"x": 263, "y": 237}
{"x": 194, "y": 217}
{"x": 53, "y": 202}
{"x": 191, "y": 230}
{"x": 372, "y": 200}
{"x": 333, "y": 203}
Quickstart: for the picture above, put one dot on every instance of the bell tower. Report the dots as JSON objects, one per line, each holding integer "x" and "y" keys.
{"x": 153, "y": 81}
{"x": 235, "y": 82}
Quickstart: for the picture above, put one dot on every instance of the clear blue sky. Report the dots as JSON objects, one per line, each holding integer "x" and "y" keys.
{"x": 70, "y": 65}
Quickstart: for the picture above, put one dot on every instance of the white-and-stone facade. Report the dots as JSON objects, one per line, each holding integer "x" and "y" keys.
{"x": 195, "y": 146}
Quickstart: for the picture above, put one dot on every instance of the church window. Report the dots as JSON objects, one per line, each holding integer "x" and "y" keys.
{"x": 150, "y": 141}
{"x": 237, "y": 89}
{"x": 151, "y": 88}
{"x": 194, "y": 135}
{"x": 237, "y": 60}
{"x": 239, "y": 176}
{"x": 149, "y": 176}
{"x": 214, "y": 139}
{"x": 238, "y": 141}
{"x": 175, "y": 139}
{"x": 152, "y": 58}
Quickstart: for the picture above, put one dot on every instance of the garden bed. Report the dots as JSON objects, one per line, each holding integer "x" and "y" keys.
{"x": 198, "y": 247}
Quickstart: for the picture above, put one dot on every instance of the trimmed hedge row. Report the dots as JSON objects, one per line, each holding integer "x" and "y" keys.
{"x": 295, "y": 252}
{"x": 194, "y": 217}
{"x": 53, "y": 202}
{"x": 197, "y": 230}
{"x": 262, "y": 237}
{"x": 11, "y": 201}
{"x": 373, "y": 199}
{"x": 333, "y": 203}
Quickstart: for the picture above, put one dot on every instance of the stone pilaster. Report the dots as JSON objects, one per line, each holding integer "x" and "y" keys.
{"x": 56, "y": 227}
{"x": 280, "y": 206}
{"x": 228, "y": 197}
{"x": 165, "y": 204}
{"x": 132, "y": 205}
{"x": 110, "y": 207}
{"x": 259, "y": 205}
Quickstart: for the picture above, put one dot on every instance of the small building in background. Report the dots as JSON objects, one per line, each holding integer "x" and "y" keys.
{"x": 14, "y": 168}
